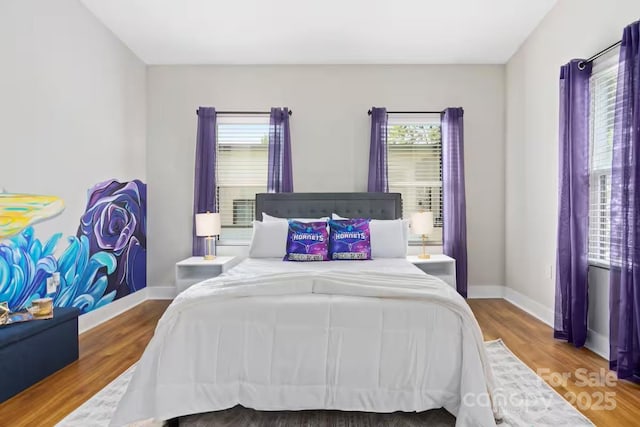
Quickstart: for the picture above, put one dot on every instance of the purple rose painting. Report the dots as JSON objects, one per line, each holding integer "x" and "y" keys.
{"x": 114, "y": 221}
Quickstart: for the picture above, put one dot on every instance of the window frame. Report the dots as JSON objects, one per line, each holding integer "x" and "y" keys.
{"x": 600, "y": 197}
{"x": 243, "y": 235}
{"x": 419, "y": 119}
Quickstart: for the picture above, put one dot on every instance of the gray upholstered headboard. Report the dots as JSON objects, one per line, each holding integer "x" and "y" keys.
{"x": 313, "y": 205}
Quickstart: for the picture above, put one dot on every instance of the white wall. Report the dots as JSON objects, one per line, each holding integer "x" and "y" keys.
{"x": 72, "y": 106}
{"x": 573, "y": 29}
{"x": 330, "y": 139}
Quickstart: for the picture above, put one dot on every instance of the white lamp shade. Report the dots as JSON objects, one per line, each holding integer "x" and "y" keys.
{"x": 422, "y": 222}
{"x": 207, "y": 224}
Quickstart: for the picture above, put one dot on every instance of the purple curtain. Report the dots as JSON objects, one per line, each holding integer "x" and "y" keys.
{"x": 280, "y": 173}
{"x": 571, "y": 303}
{"x": 455, "y": 206}
{"x": 204, "y": 188}
{"x": 378, "y": 172}
{"x": 625, "y": 209}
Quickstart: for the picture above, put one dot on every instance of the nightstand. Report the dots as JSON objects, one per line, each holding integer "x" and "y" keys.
{"x": 438, "y": 265}
{"x": 196, "y": 269}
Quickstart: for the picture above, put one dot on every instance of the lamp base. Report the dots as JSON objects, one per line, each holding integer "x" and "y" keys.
{"x": 424, "y": 254}
{"x": 209, "y": 254}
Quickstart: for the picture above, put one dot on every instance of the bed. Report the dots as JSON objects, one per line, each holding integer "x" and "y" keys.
{"x": 376, "y": 336}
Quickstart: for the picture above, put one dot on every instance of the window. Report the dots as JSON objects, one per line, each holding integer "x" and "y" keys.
{"x": 243, "y": 211}
{"x": 603, "y": 97}
{"x": 415, "y": 166}
{"x": 242, "y": 157}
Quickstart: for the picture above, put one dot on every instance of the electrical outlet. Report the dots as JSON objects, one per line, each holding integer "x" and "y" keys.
{"x": 51, "y": 287}
{"x": 56, "y": 279}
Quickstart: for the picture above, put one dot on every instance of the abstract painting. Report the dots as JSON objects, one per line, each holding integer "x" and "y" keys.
{"x": 106, "y": 260}
{"x": 18, "y": 211}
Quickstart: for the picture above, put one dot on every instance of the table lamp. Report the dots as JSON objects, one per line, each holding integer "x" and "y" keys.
{"x": 207, "y": 226}
{"x": 422, "y": 223}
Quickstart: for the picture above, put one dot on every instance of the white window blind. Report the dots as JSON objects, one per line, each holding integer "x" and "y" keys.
{"x": 415, "y": 166}
{"x": 242, "y": 159}
{"x": 603, "y": 98}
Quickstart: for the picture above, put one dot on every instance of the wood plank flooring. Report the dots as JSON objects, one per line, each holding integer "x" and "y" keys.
{"x": 531, "y": 340}
{"x": 107, "y": 350}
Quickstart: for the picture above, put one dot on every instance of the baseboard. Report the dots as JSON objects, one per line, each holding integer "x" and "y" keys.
{"x": 485, "y": 291}
{"x": 529, "y": 305}
{"x": 598, "y": 343}
{"x": 161, "y": 292}
{"x": 93, "y": 318}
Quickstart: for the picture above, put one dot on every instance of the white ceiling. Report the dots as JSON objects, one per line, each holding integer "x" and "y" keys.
{"x": 322, "y": 31}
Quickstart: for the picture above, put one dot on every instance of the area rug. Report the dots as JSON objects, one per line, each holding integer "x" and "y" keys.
{"x": 526, "y": 400}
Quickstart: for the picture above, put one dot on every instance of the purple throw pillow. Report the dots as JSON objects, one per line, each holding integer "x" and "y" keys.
{"x": 307, "y": 241}
{"x": 350, "y": 239}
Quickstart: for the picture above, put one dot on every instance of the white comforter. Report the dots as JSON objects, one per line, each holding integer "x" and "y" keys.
{"x": 334, "y": 335}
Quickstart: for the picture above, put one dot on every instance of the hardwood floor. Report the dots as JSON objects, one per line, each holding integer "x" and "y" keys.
{"x": 107, "y": 350}
{"x": 531, "y": 340}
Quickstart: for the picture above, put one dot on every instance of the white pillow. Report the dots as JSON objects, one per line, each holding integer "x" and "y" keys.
{"x": 389, "y": 238}
{"x": 269, "y": 239}
{"x": 269, "y": 218}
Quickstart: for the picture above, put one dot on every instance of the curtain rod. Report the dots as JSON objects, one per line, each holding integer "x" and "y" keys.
{"x": 410, "y": 112}
{"x": 582, "y": 64}
{"x": 245, "y": 112}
